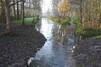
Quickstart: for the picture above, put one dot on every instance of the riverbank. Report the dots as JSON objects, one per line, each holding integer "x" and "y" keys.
{"x": 88, "y": 53}
{"x": 17, "y": 48}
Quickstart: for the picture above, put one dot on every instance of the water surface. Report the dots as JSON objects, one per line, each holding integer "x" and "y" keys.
{"x": 55, "y": 53}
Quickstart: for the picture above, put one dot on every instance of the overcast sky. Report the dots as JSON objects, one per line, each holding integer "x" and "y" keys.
{"x": 46, "y": 5}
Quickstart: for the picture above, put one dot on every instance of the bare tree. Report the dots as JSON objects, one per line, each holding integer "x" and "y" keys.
{"x": 7, "y": 4}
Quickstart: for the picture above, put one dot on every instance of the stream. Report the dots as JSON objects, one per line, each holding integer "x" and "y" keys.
{"x": 57, "y": 50}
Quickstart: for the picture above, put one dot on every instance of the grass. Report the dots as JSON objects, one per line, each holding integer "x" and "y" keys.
{"x": 28, "y": 21}
{"x": 89, "y": 33}
{"x": 98, "y": 36}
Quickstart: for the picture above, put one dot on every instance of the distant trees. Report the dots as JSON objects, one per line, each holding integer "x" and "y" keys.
{"x": 36, "y": 7}
{"x": 14, "y": 9}
{"x": 90, "y": 12}
{"x": 6, "y": 7}
{"x": 2, "y": 12}
{"x": 54, "y": 8}
{"x": 17, "y": 9}
{"x": 64, "y": 7}
{"x": 80, "y": 3}
{"x": 61, "y": 8}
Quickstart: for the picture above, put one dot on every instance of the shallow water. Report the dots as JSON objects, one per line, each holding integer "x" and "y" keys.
{"x": 57, "y": 51}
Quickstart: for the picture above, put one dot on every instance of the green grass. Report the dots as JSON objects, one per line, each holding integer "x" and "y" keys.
{"x": 28, "y": 21}
{"x": 89, "y": 33}
{"x": 98, "y": 36}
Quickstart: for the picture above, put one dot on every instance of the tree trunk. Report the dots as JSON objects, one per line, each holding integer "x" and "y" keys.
{"x": 3, "y": 14}
{"x": 22, "y": 13}
{"x": 14, "y": 9}
{"x": 8, "y": 24}
{"x": 81, "y": 11}
{"x": 17, "y": 10}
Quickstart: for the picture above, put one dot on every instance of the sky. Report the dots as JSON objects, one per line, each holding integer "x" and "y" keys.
{"x": 46, "y": 5}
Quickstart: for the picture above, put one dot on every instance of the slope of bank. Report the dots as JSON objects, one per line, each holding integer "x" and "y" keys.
{"x": 17, "y": 48}
{"x": 88, "y": 53}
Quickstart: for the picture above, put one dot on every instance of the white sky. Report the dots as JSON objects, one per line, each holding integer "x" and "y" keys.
{"x": 46, "y": 5}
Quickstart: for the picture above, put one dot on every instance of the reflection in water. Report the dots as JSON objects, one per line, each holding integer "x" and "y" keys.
{"x": 61, "y": 34}
{"x": 53, "y": 53}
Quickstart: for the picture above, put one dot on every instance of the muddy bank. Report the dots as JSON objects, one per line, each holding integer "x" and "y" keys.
{"x": 17, "y": 48}
{"x": 88, "y": 53}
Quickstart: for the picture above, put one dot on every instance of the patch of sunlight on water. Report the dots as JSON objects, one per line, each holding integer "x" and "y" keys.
{"x": 46, "y": 28}
{"x": 46, "y": 5}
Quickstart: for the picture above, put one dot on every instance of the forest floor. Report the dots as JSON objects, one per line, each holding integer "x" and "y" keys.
{"x": 88, "y": 53}
{"x": 17, "y": 48}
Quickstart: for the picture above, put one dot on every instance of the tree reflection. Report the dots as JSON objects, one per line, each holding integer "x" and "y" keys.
{"x": 61, "y": 35}
{"x": 63, "y": 32}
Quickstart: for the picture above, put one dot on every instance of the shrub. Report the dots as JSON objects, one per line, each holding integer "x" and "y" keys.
{"x": 35, "y": 19}
{"x": 61, "y": 21}
{"x": 64, "y": 21}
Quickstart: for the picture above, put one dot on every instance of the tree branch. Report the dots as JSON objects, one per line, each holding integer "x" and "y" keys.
{"x": 15, "y": 3}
